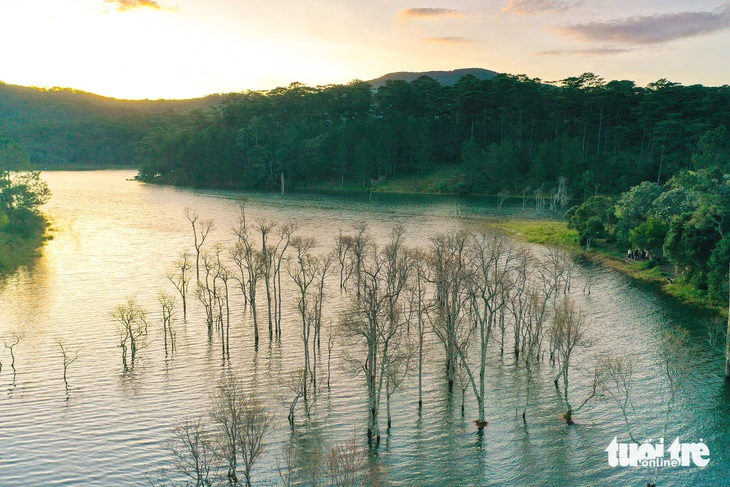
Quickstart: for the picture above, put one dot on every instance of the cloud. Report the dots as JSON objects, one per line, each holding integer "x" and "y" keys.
{"x": 653, "y": 29}
{"x": 601, "y": 51}
{"x": 449, "y": 40}
{"x": 532, "y": 7}
{"x": 125, "y": 5}
{"x": 428, "y": 13}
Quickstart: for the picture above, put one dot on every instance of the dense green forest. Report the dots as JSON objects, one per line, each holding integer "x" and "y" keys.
{"x": 684, "y": 223}
{"x": 501, "y": 133}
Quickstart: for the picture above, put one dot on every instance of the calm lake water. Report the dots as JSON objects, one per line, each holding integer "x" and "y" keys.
{"x": 115, "y": 238}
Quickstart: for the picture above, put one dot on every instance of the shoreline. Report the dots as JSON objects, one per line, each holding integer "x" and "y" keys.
{"x": 17, "y": 250}
{"x": 545, "y": 231}
{"x": 554, "y": 232}
{"x": 84, "y": 167}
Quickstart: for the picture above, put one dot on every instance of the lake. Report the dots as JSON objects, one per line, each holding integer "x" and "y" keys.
{"x": 115, "y": 238}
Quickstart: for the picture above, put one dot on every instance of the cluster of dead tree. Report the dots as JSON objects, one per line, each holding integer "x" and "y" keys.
{"x": 253, "y": 261}
{"x": 475, "y": 293}
{"x": 222, "y": 446}
{"x": 255, "y": 258}
{"x": 468, "y": 289}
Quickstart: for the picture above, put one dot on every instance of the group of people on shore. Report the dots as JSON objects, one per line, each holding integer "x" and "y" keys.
{"x": 638, "y": 254}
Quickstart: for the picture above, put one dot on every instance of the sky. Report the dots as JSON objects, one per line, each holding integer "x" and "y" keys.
{"x": 139, "y": 49}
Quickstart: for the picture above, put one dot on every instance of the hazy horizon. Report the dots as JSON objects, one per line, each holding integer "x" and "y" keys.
{"x": 182, "y": 49}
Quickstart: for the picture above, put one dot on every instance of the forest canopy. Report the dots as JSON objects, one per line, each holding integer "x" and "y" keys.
{"x": 501, "y": 133}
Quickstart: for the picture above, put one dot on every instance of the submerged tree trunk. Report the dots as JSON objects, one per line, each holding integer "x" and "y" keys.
{"x": 727, "y": 338}
{"x": 419, "y": 282}
{"x": 569, "y": 413}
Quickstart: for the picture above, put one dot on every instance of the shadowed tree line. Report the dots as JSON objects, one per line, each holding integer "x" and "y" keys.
{"x": 683, "y": 222}
{"x": 504, "y": 133}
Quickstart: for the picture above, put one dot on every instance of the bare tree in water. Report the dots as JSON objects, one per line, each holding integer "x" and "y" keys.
{"x": 418, "y": 294}
{"x": 519, "y": 299}
{"x": 131, "y": 320}
{"x": 322, "y": 271}
{"x": 222, "y": 296}
{"x": 201, "y": 229}
{"x": 256, "y": 423}
{"x": 297, "y": 387}
{"x": 568, "y": 331}
{"x": 591, "y": 276}
{"x": 378, "y": 322}
{"x": 449, "y": 276}
{"x": 167, "y": 303}
{"x": 346, "y": 462}
{"x": 69, "y": 357}
{"x": 10, "y": 345}
{"x": 243, "y": 423}
{"x": 265, "y": 228}
{"x": 309, "y": 273}
{"x": 180, "y": 278}
{"x": 489, "y": 283}
{"x": 675, "y": 354}
{"x": 249, "y": 262}
{"x": 359, "y": 244}
{"x": 303, "y": 271}
{"x": 618, "y": 383}
{"x": 343, "y": 247}
{"x": 194, "y": 451}
{"x": 533, "y": 313}
{"x": 285, "y": 233}
{"x": 207, "y": 289}
{"x": 618, "y": 386}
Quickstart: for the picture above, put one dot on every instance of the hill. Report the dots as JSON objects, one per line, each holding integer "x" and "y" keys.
{"x": 62, "y": 126}
{"x": 446, "y": 78}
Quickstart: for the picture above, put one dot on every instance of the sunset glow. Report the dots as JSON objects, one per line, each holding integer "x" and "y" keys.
{"x": 190, "y": 48}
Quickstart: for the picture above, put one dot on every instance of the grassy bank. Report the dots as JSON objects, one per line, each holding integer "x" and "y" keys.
{"x": 439, "y": 179}
{"x": 552, "y": 232}
{"x": 544, "y": 232}
{"x": 18, "y": 248}
{"x": 84, "y": 167}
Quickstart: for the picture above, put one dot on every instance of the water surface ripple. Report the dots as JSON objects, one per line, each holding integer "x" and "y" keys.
{"x": 115, "y": 238}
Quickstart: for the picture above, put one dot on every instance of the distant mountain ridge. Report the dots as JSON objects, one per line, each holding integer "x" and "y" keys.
{"x": 446, "y": 78}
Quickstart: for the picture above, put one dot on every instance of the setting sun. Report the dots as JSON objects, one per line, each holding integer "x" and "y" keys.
{"x": 189, "y": 48}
